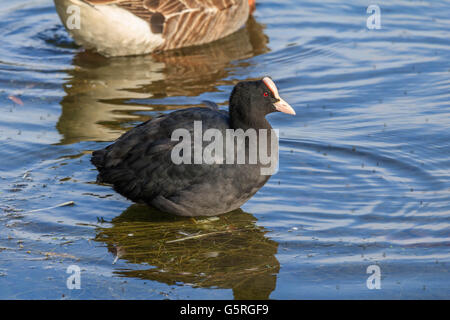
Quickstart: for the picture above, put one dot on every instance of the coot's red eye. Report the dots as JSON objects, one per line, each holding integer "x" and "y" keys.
{"x": 266, "y": 94}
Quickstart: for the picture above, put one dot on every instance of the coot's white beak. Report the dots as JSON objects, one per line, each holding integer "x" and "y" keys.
{"x": 280, "y": 105}
{"x": 284, "y": 107}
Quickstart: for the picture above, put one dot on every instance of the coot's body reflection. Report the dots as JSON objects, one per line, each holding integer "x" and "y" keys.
{"x": 228, "y": 252}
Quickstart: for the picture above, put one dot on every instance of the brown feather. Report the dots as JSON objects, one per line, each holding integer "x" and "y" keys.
{"x": 186, "y": 22}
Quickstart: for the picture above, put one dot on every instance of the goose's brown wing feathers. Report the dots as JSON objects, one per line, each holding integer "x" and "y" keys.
{"x": 186, "y": 22}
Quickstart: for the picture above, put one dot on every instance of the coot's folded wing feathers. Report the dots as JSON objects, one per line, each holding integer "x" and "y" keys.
{"x": 170, "y": 178}
{"x": 140, "y": 161}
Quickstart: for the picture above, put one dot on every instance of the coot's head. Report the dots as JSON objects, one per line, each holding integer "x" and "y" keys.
{"x": 251, "y": 101}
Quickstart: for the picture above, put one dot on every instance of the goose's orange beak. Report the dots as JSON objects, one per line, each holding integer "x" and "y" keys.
{"x": 252, "y": 4}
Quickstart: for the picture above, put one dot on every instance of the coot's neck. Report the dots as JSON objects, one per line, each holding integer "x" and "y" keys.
{"x": 245, "y": 121}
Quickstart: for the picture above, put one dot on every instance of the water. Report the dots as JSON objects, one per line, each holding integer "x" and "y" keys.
{"x": 364, "y": 176}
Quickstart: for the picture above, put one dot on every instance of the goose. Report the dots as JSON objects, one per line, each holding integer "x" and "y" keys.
{"x": 136, "y": 27}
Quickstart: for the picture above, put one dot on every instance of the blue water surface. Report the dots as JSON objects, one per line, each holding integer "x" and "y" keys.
{"x": 364, "y": 173}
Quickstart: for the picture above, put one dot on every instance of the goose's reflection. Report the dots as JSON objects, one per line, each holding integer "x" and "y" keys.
{"x": 99, "y": 90}
{"x": 227, "y": 252}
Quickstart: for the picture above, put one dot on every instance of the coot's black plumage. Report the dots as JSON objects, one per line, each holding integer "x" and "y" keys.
{"x": 140, "y": 167}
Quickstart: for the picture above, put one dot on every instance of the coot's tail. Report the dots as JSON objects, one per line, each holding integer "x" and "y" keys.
{"x": 98, "y": 158}
{"x": 122, "y": 179}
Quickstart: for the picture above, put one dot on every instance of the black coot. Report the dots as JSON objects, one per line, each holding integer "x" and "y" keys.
{"x": 144, "y": 164}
